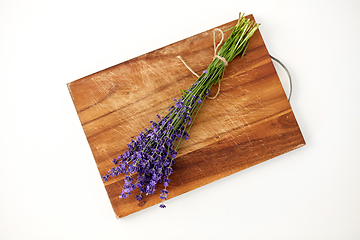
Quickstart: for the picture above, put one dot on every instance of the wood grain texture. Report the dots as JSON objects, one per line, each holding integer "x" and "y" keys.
{"x": 250, "y": 121}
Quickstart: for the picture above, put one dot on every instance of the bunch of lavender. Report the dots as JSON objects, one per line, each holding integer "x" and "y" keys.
{"x": 149, "y": 159}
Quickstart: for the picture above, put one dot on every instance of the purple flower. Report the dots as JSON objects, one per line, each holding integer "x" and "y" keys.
{"x": 138, "y": 197}
{"x": 122, "y": 195}
{"x": 162, "y": 205}
{"x": 106, "y": 177}
{"x": 164, "y": 191}
{"x": 166, "y": 182}
{"x": 179, "y": 104}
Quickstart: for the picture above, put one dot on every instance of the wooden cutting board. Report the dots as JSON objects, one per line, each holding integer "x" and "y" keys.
{"x": 249, "y": 122}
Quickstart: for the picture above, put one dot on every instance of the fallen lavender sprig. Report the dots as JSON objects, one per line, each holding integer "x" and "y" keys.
{"x": 150, "y": 158}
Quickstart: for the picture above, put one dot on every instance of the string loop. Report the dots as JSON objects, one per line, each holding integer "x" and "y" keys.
{"x": 217, "y": 46}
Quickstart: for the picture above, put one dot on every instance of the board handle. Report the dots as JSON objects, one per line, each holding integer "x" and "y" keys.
{"x": 287, "y": 72}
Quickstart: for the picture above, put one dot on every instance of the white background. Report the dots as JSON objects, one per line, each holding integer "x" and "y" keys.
{"x": 50, "y": 187}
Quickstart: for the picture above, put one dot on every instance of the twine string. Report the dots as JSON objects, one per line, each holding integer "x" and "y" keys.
{"x": 226, "y": 63}
{"x": 192, "y": 71}
{"x": 217, "y": 46}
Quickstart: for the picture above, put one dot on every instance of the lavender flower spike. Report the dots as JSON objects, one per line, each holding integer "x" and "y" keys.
{"x": 150, "y": 157}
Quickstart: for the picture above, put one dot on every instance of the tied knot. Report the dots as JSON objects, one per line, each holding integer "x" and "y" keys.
{"x": 222, "y": 59}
